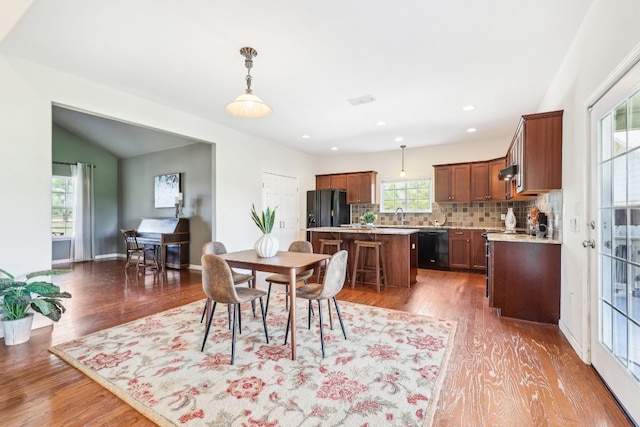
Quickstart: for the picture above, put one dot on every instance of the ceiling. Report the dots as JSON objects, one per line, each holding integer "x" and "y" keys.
{"x": 421, "y": 60}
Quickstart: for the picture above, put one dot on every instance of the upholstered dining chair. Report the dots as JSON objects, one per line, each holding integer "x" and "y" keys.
{"x": 283, "y": 279}
{"x": 138, "y": 251}
{"x": 219, "y": 287}
{"x": 218, "y": 248}
{"x": 332, "y": 284}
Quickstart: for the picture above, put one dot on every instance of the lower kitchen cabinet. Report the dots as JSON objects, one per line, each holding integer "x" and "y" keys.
{"x": 467, "y": 249}
{"x": 460, "y": 249}
{"x": 524, "y": 280}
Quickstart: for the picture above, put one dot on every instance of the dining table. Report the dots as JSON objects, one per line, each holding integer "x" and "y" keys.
{"x": 290, "y": 263}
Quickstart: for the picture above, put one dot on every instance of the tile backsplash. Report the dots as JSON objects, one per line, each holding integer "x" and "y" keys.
{"x": 475, "y": 214}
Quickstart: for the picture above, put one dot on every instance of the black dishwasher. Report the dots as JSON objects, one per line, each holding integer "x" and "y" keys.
{"x": 433, "y": 249}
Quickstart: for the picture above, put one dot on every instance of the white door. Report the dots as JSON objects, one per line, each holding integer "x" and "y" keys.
{"x": 614, "y": 237}
{"x": 281, "y": 192}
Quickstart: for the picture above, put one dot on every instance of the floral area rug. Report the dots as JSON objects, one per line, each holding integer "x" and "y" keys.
{"x": 388, "y": 372}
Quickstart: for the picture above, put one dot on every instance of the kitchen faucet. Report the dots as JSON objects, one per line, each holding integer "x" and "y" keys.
{"x": 402, "y": 217}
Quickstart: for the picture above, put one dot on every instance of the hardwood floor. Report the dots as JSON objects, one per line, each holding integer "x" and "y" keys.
{"x": 502, "y": 372}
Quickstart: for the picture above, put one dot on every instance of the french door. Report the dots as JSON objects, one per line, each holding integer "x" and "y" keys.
{"x": 615, "y": 236}
{"x": 281, "y": 192}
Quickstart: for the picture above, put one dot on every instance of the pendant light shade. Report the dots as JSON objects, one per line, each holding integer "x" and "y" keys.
{"x": 248, "y": 105}
{"x": 402, "y": 172}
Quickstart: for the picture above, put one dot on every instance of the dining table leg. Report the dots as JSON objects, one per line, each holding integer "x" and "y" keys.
{"x": 292, "y": 310}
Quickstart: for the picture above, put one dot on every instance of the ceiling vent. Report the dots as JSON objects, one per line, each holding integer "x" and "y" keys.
{"x": 366, "y": 99}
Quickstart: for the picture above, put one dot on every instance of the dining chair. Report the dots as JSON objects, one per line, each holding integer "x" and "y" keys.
{"x": 219, "y": 287}
{"x": 134, "y": 249}
{"x": 218, "y": 248}
{"x": 332, "y": 284}
{"x": 283, "y": 279}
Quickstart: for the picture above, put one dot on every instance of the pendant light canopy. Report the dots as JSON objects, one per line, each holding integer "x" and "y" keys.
{"x": 248, "y": 105}
{"x": 402, "y": 172}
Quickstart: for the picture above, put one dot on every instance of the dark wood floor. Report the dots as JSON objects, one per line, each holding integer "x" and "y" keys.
{"x": 501, "y": 373}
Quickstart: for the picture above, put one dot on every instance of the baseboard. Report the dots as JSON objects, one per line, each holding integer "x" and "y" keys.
{"x": 577, "y": 347}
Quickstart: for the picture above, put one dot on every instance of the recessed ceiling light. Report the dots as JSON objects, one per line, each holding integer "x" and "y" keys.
{"x": 305, "y": 136}
{"x": 399, "y": 139}
{"x": 469, "y": 107}
{"x": 471, "y": 130}
{"x": 381, "y": 123}
{"x": 334, "y": 148}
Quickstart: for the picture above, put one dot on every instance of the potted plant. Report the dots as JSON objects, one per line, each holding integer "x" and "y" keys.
{"x": 368, "y": 218}
{"x": 267, "y": 245}
{"x": 18, "y": 296}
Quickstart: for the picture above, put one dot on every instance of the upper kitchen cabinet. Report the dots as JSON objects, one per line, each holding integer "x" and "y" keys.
{"x": 331, "y": 182}
{"x": 453, "y": 182}
{"x": 485, "y": 185}
{"x": 537, "y": 151}
{"x": 361, "y": 187}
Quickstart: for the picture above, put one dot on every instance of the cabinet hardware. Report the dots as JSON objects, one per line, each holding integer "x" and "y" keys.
{"x": 589, "y": 243}
{"x": 592, "y": 224}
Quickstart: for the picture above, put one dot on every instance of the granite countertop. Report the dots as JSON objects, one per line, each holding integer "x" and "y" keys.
{"x": 364, "y": 230}
{"x": 520, "y": 238}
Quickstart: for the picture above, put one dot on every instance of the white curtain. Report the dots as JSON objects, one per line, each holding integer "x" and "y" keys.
{"x": 83, "y": 212}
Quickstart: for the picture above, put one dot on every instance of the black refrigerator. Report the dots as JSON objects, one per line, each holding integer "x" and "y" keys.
{"x": 327, "y": 208}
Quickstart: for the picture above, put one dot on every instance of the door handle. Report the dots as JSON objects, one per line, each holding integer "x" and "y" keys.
{"x": 587, "y": 243}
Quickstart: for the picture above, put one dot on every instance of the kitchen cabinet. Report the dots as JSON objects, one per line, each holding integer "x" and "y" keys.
{"x": 478, "y": 250}
{"x": 460, "y": 249}
{"x": 524, "y": 280}
{"x": 331, "y": 182}
{"x": 485, "y": 185}
{"x": 536, "y": 149}
{"x": 361, "y": 187}
{"x": 453, "y": 182}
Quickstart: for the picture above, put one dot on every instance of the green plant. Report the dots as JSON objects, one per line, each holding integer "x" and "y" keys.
{"x": 368, "y": 217}
{"x": 265, "y": 220}
{"x": 43, "y": 297}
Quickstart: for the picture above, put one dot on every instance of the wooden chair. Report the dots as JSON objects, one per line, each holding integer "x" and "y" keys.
{"x": 219, "y": 287}
{"x": 134, "y": 249}
{"x": 333, "y": 282}
{"x": 283, "y": 279}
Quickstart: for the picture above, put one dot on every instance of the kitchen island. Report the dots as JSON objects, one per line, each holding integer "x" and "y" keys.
{"x": 524, "y": 277}
{"x": 400, "y": 249}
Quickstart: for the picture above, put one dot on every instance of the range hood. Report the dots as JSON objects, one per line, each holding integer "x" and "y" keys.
{"x": 507, "y": 173}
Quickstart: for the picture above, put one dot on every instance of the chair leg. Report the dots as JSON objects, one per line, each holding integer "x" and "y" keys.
{"x": 206, "y": 334}
{"x": 266, "y": 309}
{"x": 309, "y": 314}
{"x": 286, "y": 334}
{"x": 236, "y": 310}
{"x": 321, "y": 328}
{"x": 344, "y": 332}
{"x": 229, "y": 314}
{"x": 264, "y": 320}
{"x": 205, "y": 309}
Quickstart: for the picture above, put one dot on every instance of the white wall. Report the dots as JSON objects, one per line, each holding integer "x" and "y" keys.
{"x": 608, "y": 34}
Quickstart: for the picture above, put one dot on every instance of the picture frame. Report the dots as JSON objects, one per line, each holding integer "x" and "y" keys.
{"x": 167, "y": 189}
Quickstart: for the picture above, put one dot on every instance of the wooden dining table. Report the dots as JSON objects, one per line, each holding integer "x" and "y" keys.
{"x": 290, "y": 263}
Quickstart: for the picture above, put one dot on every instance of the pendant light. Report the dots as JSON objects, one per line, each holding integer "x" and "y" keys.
{"x": 402, "y": 172}
{"x": 248, "y": 105}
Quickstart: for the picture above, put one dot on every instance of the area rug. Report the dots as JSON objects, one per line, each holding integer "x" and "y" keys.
{"x": 388, "y": 372}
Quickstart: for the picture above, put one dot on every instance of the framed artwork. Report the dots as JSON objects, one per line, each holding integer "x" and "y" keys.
{"x": 166, "y": 190}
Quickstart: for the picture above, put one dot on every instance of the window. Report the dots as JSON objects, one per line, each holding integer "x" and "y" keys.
{"x": 412, "y": 195}
{"x": 61, "y": 205}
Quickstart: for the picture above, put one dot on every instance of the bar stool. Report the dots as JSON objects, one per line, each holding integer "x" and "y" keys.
{"x": 379, "y": 268}
{"x": 334, "y": 246}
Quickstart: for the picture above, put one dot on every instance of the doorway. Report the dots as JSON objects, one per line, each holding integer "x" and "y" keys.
{"x": 281, "y": 192}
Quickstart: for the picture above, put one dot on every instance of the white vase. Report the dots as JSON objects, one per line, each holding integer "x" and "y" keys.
{"x": 510, "y": 220}
{"x": 17, "y": 331}
{"x": 266, "y": 246}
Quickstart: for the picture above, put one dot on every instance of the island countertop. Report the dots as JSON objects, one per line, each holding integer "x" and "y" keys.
{"x": 389, "y": 230}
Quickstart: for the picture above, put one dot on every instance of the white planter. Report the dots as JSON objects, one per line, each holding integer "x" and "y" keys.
{"x": 266, "y": 246}
{"x": 17, "y": 331}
